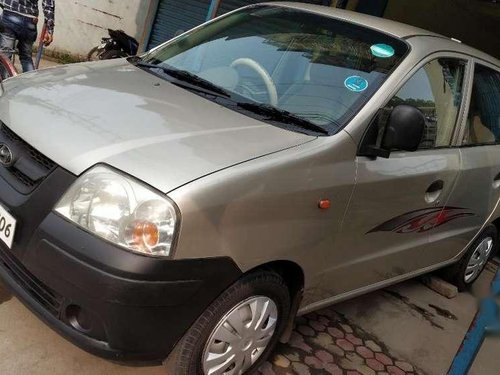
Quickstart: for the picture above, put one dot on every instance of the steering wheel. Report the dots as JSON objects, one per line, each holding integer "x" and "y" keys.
{"x": 264, "y": 75}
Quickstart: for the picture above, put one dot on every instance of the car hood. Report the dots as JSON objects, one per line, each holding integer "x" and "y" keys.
{"x": 113, "y": 112}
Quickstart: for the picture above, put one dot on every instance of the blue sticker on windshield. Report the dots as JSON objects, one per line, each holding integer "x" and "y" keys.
{"x": 382, "y": 50}
{"x": 356, "y": 83}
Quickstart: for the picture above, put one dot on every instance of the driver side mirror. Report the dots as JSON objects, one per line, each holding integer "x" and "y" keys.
{"x": 404, "y": 131}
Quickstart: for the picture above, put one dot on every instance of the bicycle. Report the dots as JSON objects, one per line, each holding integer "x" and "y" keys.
{"x": 7, "y": 67}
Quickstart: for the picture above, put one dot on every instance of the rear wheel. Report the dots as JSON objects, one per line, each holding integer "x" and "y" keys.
{"x": 93, "y": 54}
{"x": 237, "y": 332}
{"x": 468, "y": 270}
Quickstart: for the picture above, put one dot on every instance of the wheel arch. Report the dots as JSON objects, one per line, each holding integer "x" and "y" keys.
{"x": 294, "y": 277}
{"x": 496, "y": 224}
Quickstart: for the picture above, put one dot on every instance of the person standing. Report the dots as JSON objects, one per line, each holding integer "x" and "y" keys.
{"x": 19, "y": 23}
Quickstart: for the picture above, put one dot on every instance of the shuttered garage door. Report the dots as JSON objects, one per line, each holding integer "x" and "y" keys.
{"x": 174, "y": 15}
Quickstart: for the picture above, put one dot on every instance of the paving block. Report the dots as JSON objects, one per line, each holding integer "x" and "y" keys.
{"x": 306, "y": 331}
{"x": 405, "y": 366}
{"x": 322, "y": 339}
{"x": 346, "y": 328}
{"x": 301, "y": 369}
{"x": 383, "y": 358}
{"x": 375, "y": 364}
{"x": 317, "y": 326}
{"x": 324, "y": 356}
{"x": 335, "y": 332}
{"x": 266, "y": 369}
{"x": 365, "y": 370}
{"x": 281, "y": 361}
{"x": 353, "y": 339}
{"x": 313, "y": 362}
{"x": 364, "y": 352}
{"x": 373, "y": 346}
{"x": 393, "y": 370}
{"x": 345, "y": 345}
{"x": 333, "y": 369}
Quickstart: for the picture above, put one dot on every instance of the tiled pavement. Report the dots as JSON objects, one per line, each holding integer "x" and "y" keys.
{"x": 326, "y": 343}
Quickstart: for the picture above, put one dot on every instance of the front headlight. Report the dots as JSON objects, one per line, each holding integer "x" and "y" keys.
{"x": 121, "y": 210}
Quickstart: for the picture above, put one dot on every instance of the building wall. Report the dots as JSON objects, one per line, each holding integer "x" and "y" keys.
{"x": 80, "y": 24}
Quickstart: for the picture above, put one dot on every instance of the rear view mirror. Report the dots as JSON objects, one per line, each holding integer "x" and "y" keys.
{"x": 405, "y": 129}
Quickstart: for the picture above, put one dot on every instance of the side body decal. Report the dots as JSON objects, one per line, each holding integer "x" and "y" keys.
{"x": 422, "y": 220}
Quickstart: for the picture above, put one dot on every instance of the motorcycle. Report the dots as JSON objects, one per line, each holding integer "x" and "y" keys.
{"x": 116, "y": 46}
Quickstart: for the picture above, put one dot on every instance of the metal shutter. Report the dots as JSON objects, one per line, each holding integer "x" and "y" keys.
{"x": 229, "y": 5}
{"x": 174, "y": 15}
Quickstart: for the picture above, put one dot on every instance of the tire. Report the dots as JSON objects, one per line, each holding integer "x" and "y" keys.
{"x": 459, "y": 274}
{"x": 112, "y": 54}
{"x": 93, "y": 54}
{"x": 7, "y": 68}
{"x": 189, "y": 354}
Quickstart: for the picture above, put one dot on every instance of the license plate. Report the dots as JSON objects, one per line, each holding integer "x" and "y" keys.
{"x": 7, "y": 227}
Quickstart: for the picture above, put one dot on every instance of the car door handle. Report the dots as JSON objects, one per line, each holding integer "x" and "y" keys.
{"x": 496, "y": 181}
{"x": 434, "y": 192}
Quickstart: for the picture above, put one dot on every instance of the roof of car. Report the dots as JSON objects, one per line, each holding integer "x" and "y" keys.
{"x": 397, "y": 29}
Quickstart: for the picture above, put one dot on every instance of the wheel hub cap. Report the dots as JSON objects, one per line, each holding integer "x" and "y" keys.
{"x": 241, "y": 337}
{"x": 478, "y": 260}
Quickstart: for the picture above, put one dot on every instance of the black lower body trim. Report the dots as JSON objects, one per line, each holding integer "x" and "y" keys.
{"x": 133, "y": 314}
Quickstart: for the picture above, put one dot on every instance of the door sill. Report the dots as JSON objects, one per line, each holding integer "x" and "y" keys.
{"x": 370, "y": 288}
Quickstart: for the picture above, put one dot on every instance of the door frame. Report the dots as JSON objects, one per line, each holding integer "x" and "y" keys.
{"x": 463, "y": 125}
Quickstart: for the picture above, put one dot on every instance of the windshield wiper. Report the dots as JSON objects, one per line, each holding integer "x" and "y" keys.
{"x": 275, "y": 114}
{"x": 193, "y": 80}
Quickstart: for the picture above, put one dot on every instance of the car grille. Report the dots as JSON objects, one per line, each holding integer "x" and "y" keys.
{"x": 31, "y": 167}
{"x": 37, "y": 290}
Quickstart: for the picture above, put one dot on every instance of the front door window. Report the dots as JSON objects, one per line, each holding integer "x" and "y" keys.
{"x": 436, "y": 89}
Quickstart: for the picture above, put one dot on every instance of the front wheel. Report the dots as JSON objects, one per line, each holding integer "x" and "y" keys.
{"x": 7, "y": 68}
{"x": 237, "y": 332}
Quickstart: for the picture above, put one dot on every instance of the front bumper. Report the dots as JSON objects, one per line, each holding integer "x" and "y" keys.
{"x": 115, "y": 304}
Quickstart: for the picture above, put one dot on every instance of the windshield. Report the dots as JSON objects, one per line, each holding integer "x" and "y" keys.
{"x": 307, "y": 66}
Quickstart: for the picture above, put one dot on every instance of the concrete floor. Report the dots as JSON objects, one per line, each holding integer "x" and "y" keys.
{"x": 27, "y": 346}
{"x": 403, "y": 319}
{"x": 44, "y": 63}
{"x": 422, "y": 326}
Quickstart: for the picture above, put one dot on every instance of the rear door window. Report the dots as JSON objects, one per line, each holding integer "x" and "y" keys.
{"x": 483, "y": 120}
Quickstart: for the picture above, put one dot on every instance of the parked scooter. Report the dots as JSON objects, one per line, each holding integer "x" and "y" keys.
{"x": 117, "y": 45}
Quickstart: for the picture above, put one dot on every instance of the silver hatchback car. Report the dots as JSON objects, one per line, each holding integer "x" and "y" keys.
{"x": 186, "y": 205}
